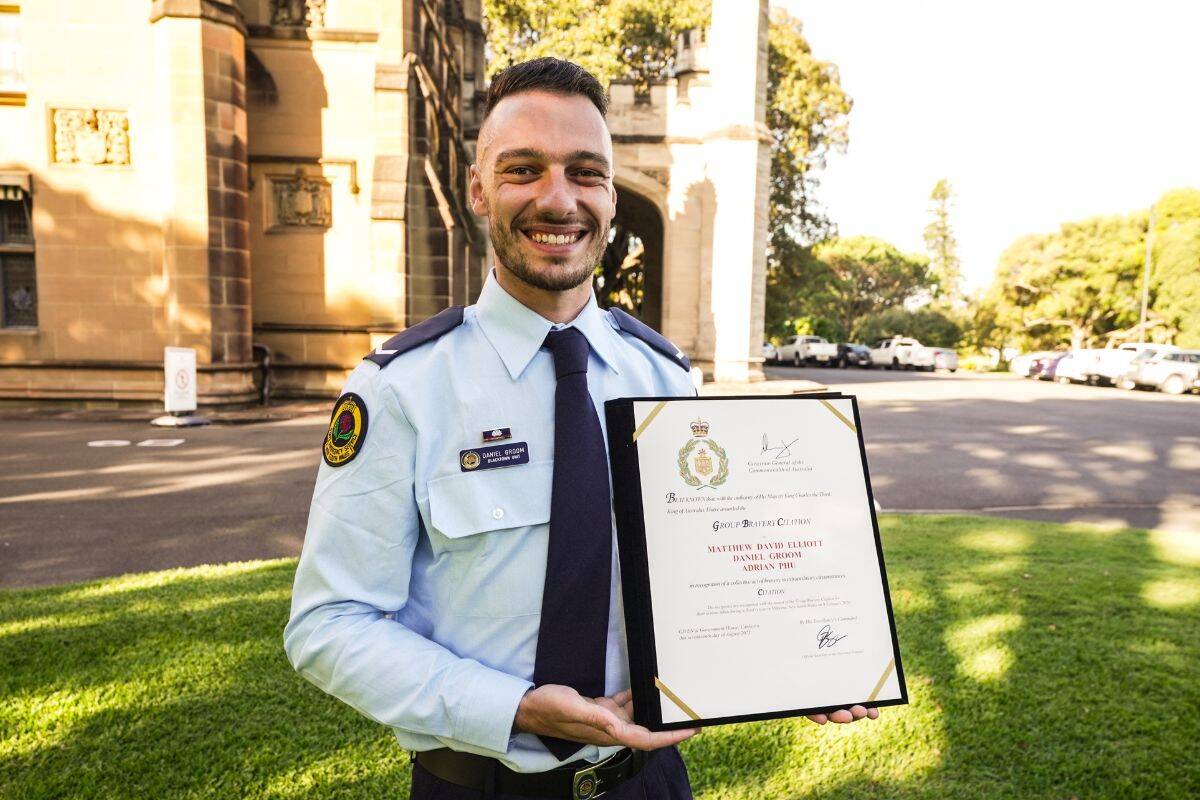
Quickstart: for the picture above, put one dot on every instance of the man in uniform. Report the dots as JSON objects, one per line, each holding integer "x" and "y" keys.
{"x": 459, "y": 580}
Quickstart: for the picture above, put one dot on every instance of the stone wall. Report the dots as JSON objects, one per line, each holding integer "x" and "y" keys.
{"x": 216, "y": 174}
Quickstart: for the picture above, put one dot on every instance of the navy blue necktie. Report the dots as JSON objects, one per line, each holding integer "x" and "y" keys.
{"x": 573, "y": 634}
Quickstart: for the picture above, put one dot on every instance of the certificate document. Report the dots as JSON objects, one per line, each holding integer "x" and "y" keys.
{"x": 751, "y": 565}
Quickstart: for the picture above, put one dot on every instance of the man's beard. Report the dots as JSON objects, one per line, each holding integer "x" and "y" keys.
{"x": 566, "y": 275}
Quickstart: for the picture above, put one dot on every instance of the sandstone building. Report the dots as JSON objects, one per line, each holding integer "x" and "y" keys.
{"x": 217, "y": 175}
{"x": 286, "y": 179}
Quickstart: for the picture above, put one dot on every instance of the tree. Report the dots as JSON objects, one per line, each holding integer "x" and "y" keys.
{"x": 866, "y": 276}
{"x": 942, "y": 246}
{"x": 807, "y": 112}
{"x": 1082, "y": 280}
{"x": 612, "y": 39}
{"x": 930, "y": 326}
{"x": 1175, "y": 279}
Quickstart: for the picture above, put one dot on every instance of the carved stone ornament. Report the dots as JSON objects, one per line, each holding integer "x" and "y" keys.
{"x": 298, "y": 13}
{"x": 90, "y": 136}
{"x": 300, "y": 201}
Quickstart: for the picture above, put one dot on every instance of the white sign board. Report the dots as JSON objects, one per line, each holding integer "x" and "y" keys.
{"x": 180, "y": 368}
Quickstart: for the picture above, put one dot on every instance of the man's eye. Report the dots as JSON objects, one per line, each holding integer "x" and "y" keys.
{"x": 589, "y": 173}
{"x": 520, "y": 171}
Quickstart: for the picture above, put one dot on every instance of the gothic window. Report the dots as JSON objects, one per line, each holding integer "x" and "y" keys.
{"x": 18, "y": 285}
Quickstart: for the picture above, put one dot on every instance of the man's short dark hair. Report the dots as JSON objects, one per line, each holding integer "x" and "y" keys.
{"x": 546, "y": 75}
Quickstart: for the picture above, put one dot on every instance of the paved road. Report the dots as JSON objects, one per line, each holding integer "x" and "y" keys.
{"x": 1004, "y": 445}
{"x": 987, "y": 444}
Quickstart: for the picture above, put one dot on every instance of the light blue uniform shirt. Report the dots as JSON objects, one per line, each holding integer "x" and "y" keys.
{"x": 419, "y": 590}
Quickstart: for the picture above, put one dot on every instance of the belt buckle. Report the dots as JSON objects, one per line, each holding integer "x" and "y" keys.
{"x": 586, "y": 785}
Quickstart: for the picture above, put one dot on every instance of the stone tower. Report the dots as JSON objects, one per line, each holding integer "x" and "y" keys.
{"x": 693, "y": 169}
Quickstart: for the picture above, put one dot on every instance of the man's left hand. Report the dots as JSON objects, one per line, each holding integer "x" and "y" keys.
{"x": 844, "y": 715}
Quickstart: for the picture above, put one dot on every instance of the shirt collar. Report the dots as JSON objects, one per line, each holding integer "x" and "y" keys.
{"x": 517, "y": 332}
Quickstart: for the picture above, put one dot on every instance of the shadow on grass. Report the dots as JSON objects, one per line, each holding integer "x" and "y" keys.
{"x": 1042, "y": 661}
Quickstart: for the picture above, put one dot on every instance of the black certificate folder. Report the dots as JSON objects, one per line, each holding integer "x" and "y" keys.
{"x": 751, "y": 565}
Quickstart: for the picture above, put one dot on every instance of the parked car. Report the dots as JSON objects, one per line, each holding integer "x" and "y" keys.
{"x": 857, "y": 355}
{"x": 1045, "y": 366}
{"x": 944, "y": 358}
{"x": 907, "y": 353}
{"x": 1075, "y": 366}
{"x": 1020, "y": 364}
{"x": 770, "y": 354}
{"x": 1173, "y": 372}
{"x": 1036, "y": 366}
{"x": 1135, "y": 377}
{"x": 1111, "y": 365}
{"x": 806, "y": 349}
{"x": 894, "y": 353}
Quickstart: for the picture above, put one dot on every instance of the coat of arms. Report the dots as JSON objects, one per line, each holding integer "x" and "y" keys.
{"x": 702, "y": 462}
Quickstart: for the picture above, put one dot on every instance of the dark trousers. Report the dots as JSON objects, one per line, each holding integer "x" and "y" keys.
{"x": 664, "y": 777}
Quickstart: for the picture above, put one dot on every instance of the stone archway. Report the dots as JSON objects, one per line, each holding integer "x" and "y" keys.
{"x": 631, "y": 270}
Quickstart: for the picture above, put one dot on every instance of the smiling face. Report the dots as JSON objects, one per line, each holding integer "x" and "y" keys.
{"x": 544, "y": 181}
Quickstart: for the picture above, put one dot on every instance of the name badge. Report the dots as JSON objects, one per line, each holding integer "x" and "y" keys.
{"x": 502, "y": 455}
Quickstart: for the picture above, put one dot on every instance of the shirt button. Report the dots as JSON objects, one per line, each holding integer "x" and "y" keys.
{"x": 497, "y": 513}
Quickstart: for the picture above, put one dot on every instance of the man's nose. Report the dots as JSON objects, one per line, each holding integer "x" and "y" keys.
{"x": 558, "y": 196}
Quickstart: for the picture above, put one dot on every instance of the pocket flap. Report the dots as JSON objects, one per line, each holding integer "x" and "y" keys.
{"x": 493, "y": 499}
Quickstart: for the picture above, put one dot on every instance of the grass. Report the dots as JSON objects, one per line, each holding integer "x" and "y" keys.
{"x": 1043, "y": 661}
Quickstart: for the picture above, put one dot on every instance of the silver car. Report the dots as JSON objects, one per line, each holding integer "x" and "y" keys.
{"x": 1173, "y": 372}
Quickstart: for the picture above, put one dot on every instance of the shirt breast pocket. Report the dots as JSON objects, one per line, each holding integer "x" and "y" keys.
{"x": 489, "y": 534}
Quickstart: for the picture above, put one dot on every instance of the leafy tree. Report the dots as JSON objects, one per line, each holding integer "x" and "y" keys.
{"x": 1081, "y": 281}
{"x": 930, "y": 326}
{"x": 1175, "y": 276}
{"x": 864, "y": 277}
{"x": 797, "y": 283}
{"x": 612, "y": 39}
{"x": 942, "y": 246}
{"x": 807, "y": 112}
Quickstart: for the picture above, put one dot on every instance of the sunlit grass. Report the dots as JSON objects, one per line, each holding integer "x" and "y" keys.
{"x": 1042, "y": 661}
{"x": 1171, "y": 593}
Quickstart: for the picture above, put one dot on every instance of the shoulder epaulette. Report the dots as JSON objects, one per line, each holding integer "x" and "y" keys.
{"x": 411, "y": 338}
{"x": 635, "y": 327}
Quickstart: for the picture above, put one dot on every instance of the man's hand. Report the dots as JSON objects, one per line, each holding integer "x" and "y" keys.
{"x": 844, "y": 715}
{"x": 562, "y": 712}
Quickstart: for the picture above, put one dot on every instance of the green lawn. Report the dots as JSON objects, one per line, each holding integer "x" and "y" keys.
{"x": 1043, "y": 662}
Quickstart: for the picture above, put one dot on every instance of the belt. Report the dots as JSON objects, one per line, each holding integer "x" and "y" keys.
{"x": 578, "y": 781}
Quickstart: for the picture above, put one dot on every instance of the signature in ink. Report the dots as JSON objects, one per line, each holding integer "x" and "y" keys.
{"x": 780, "y": 451}
{"x": 826, "y": 638}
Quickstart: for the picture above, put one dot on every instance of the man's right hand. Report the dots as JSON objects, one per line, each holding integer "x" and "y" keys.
{"x": 563, "y": 713}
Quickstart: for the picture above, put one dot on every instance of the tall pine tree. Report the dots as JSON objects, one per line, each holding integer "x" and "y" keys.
{"x": 942, "y": 246}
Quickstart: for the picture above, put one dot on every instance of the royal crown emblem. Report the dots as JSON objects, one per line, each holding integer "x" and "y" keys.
{"x": 702, "y": 462}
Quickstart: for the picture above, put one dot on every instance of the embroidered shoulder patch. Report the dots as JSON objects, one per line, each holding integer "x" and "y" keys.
{"x": 347, "y": 430}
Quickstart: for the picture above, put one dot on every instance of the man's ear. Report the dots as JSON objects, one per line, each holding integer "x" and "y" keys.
{"x": 475, "y": 190}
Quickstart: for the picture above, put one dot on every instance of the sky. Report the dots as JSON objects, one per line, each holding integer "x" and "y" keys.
{"x": 1038, "y": 113}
